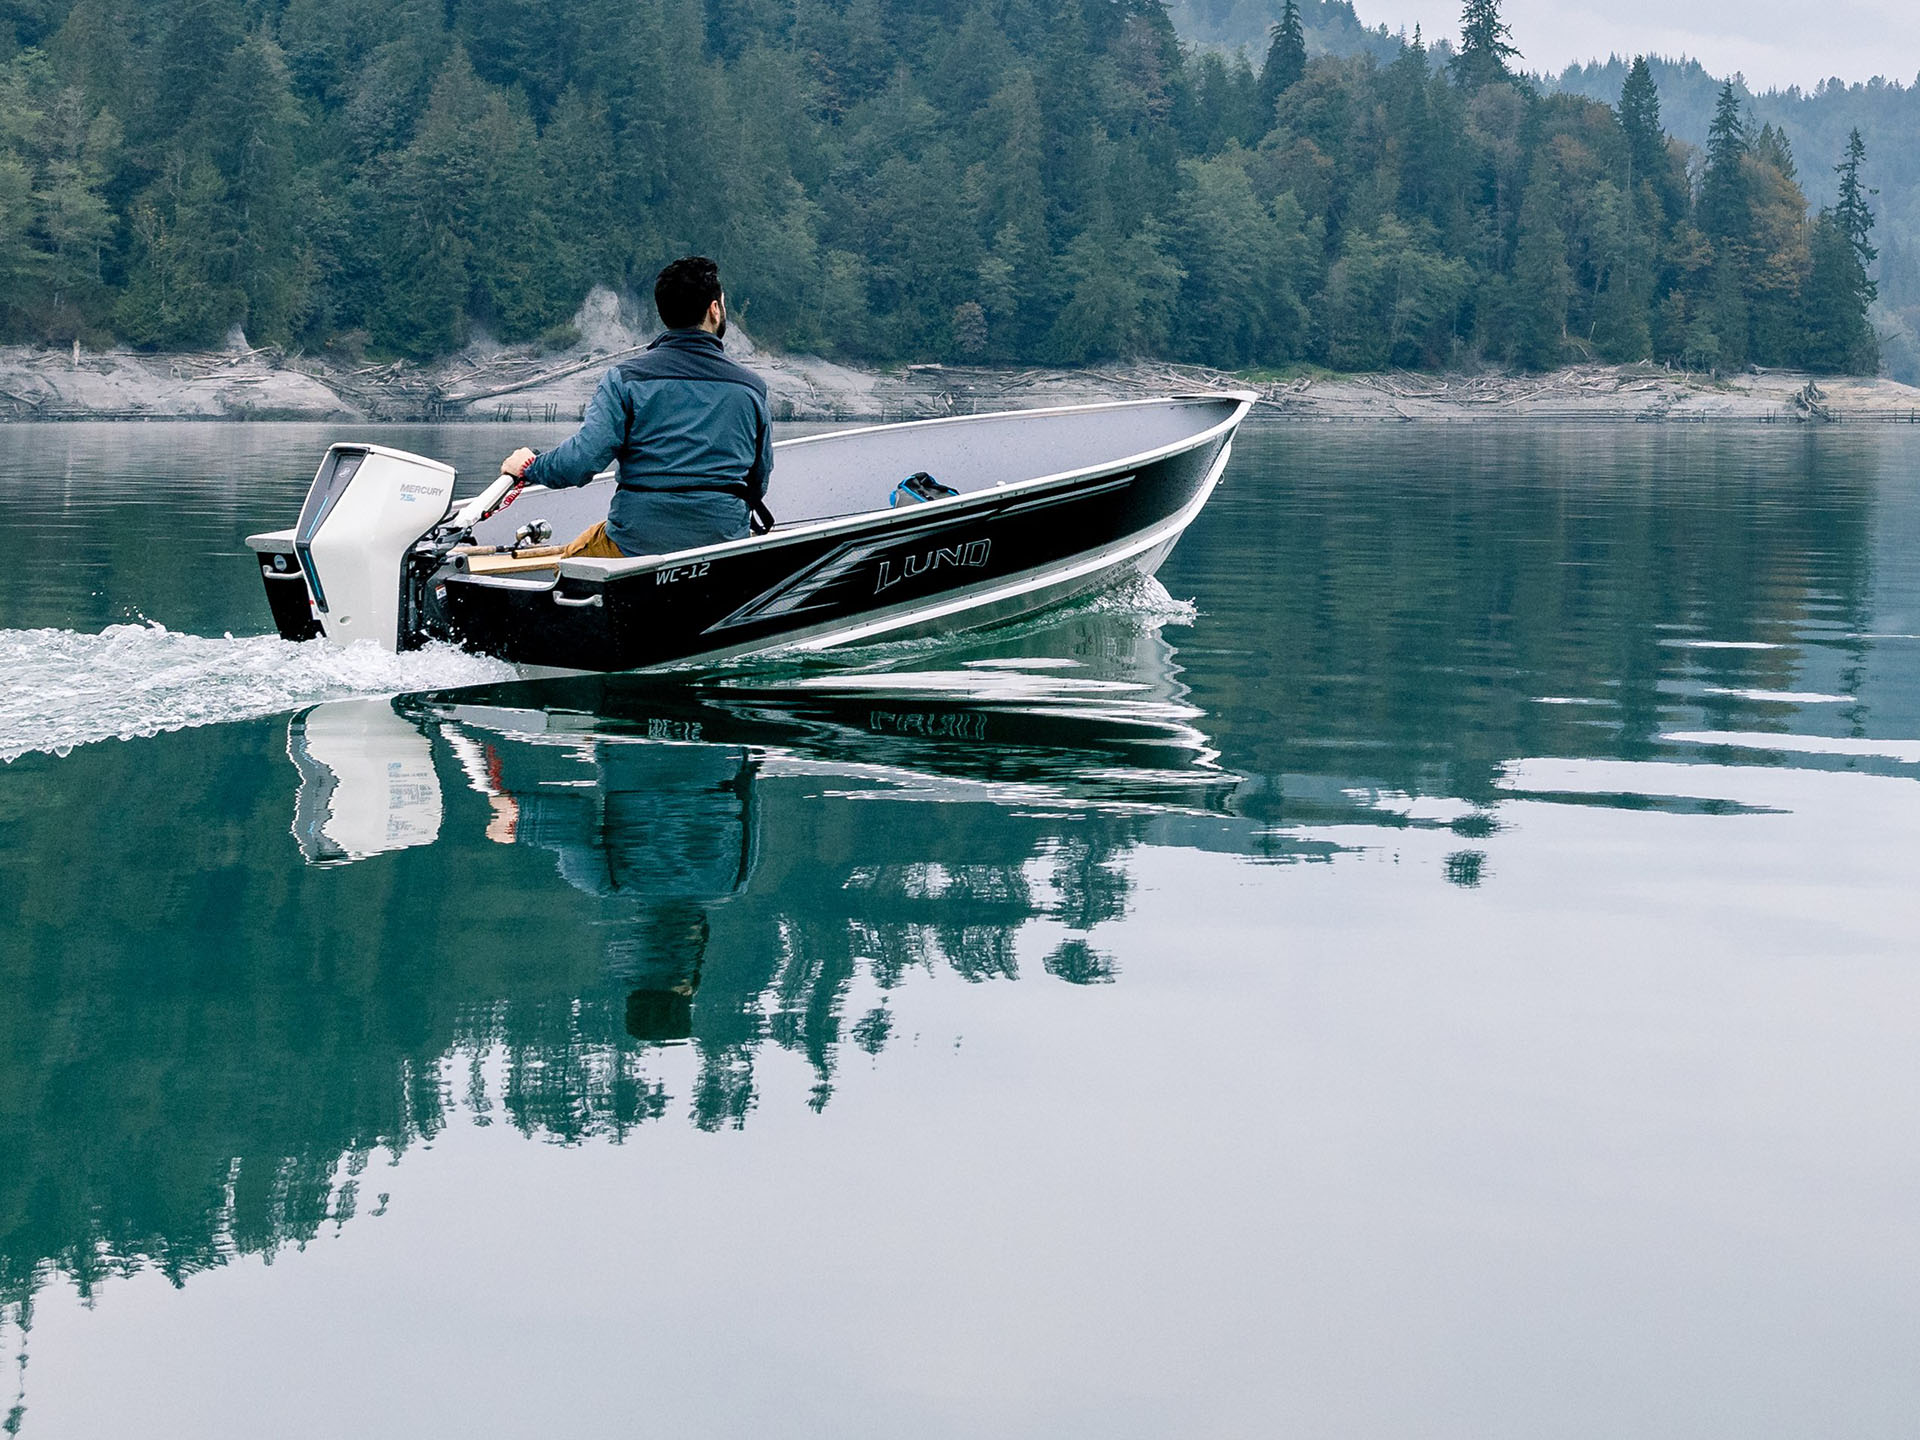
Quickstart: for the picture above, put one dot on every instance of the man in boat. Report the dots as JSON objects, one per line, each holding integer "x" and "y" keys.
{"x": 689, "y": 428}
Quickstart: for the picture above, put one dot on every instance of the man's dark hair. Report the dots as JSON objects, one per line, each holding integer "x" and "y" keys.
{"x": 684, "y": 290}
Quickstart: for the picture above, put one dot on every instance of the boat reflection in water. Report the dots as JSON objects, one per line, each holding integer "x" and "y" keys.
{"x": 646, "y": 798}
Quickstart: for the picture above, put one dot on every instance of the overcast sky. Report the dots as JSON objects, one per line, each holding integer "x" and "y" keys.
{"x": 1772, "y": 42}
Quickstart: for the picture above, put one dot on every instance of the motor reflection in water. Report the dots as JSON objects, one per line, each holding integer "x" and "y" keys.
{"x": 367, "y": 783}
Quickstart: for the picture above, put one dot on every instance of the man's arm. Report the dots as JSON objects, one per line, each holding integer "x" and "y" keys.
{"x": 760, "y": 474}
{"x": 589, "y": 449}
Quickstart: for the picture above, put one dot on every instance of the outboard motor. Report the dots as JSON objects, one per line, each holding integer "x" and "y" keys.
{"x": 366, "y": 508}
{"x": 375, "y": 525}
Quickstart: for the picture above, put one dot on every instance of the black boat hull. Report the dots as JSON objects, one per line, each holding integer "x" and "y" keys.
{"x": 981, "y": 559}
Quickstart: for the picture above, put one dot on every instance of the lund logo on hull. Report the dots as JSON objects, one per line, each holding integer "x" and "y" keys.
{"x": 970, "y": 556}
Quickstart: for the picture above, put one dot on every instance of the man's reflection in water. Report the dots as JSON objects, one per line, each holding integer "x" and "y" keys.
{"x": 663, "y": 965}
{"x": 669, "y": 828}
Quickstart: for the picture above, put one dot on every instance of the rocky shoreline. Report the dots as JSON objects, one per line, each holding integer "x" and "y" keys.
{"x": 526, "y": 384}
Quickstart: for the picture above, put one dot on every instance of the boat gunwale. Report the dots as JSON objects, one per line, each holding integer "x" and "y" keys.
{"x": 605, "y": 570}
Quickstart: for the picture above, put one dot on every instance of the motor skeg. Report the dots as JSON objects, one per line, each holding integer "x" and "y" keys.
{"x": 367, "y": 507}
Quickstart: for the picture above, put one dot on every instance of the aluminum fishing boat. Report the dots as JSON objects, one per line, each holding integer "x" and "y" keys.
{"x": 884, "y": 532}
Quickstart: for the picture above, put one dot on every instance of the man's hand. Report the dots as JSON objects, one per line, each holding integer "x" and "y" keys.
{"x": 504, "y": 823}
{"x": 516, "y": 464}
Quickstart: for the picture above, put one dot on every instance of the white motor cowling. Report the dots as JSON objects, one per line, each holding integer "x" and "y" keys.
{"x": 366, "y": 508}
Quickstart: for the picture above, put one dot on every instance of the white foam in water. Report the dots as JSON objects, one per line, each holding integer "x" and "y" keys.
{"x": 60, "y": 688}
{"x": 1145, "y": 597}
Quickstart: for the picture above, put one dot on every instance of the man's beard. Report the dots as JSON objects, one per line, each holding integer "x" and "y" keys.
{"x": 721, "y": 333}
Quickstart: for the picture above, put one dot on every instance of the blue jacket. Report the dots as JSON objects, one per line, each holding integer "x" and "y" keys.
{"x": 687, "y": 425}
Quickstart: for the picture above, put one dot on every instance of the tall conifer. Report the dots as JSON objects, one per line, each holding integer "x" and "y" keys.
{"x": 1286, "y": 62}
{"x": 1542, "y": 281}
{"x": 1640, "y": 118}
{"x": 1723, "y": 192}
{"x": 1772, "y": 147}
{"x": 1856, "y": 220}
{"x": 1409, "y": 116}
{"x": 1726, "y": 219}
{"x": 1835, "y": 335}
{"x": 1486, "y": 45}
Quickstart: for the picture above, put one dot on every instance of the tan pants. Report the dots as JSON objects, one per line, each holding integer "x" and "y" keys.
{"x": 594, "y": 544}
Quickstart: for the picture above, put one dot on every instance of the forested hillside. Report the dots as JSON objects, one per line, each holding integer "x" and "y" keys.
{"x": 1816, "y": 122}
{"x": 990, "y": 180}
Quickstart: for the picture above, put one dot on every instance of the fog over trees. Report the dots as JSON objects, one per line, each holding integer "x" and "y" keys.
{"x": 961, "y": 180}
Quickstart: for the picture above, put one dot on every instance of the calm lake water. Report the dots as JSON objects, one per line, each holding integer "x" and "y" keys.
{"x": 1445, "y": 966}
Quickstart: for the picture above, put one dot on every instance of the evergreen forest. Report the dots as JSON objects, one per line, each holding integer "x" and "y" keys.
{"x": 992, "y": 181}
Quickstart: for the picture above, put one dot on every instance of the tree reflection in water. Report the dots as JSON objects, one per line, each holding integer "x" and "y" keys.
{"x": 526, "y": 905}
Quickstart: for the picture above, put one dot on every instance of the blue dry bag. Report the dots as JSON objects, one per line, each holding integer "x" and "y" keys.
{"x": 917, "y": 487}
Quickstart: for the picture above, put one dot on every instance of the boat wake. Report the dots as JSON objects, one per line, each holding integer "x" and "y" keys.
{"x": 1142, "y": 599}
{"x": 61, "y": 688}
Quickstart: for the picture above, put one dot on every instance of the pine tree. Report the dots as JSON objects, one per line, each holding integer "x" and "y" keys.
{"x": 1771, "y": 147}
{"x": 1485, "y": 46}
{"x": 249, "y": 119}
{"x": 1121, "y": 295}
{"x": 1649, "y": 162}
{"x": 1621, "y": 311}
{"x": 1542, "y": 282}
{"x": 1727, "y": 314}
{"x": 1723, "y": 192}
{"x": 199, "y": 37}
{"x": 1777, "y": 256}
{"x": 1640, "y": 119}
{"x": 473, "y": 162}
{"x": 1245, "y": 264}
{"x": 1855, "y": 219}
{"x": 1726, "y": 219}
{"x": 71, "y": 213}
{"x": 1622, "y": 264}
{"x": 1410, "y": 121}
{"x": 1391, "y": 298}
{"x": 19, "y": 263}
{"x": 1286, "y": 62}
{"x": 1834, "y": 300}
{"x": 1838, "y": 290}
{"x": 178, "y": 294}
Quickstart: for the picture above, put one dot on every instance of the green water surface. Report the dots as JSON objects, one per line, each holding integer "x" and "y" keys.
{"x": 1445, "y": 967}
